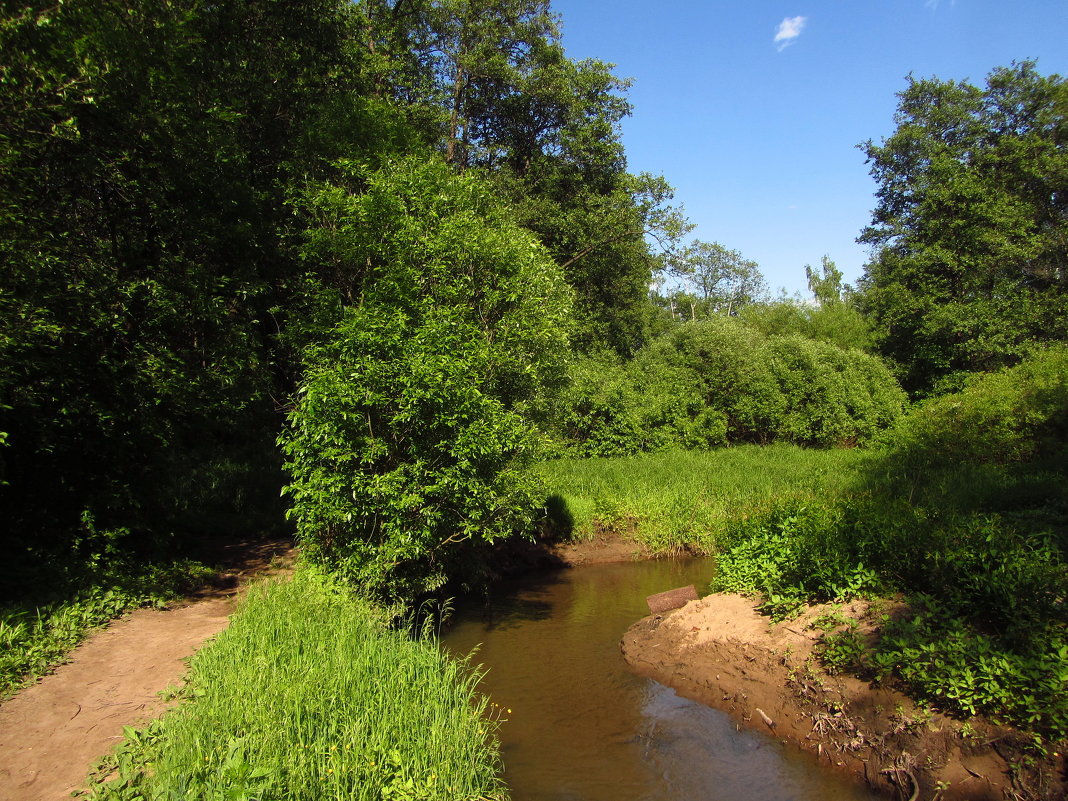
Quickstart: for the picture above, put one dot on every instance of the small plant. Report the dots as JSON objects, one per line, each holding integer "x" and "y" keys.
{"x": 843, "y": 651}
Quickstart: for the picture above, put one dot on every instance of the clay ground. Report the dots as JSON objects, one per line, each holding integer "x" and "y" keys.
{"x": 52, "y": 732}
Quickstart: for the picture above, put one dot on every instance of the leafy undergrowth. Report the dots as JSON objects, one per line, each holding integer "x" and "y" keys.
{"x": 36, "y": 637}
{"x": 310, "y": 695}
{"x": 985, "y": 632}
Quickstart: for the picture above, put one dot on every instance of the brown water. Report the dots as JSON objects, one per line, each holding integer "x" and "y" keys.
{"x": 582, "y": 727}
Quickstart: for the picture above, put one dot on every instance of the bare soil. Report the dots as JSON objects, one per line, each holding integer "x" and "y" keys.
{"x": 600, "y": 549}
{"x": 720, "y": 651}
{"x": 52, "y": 732}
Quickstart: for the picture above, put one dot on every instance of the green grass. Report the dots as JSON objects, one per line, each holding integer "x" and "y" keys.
{"x": 310, "y": 695}
{"x": 34, "y": 637}
{"x": 686, "y": 498}
{"x": 977, "y": 550}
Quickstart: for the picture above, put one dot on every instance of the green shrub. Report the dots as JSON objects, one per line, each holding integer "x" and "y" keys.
{"x": 410, "y": 438}
{"x": 837, "y": 323}
{"x": 832, "y": 397}
{"x": 945, "y": 659}
{"x": 1018, "y": 414}
{"x": 600, "y": 408}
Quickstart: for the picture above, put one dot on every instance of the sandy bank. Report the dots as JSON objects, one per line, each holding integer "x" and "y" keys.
{"x": 720, "y": 651}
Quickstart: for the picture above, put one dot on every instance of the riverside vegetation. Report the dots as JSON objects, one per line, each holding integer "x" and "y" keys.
{"x": 389, "y": 286}
{"x": 962, "y": 507}
{"x": 309, "y": 694}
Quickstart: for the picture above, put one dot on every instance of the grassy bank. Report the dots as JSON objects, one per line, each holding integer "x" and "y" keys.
{"x": 309, "y": 695}
{"x": 962, "y": 510}
{"x": 37, "y": 634}
{"x": 689, "y": 498}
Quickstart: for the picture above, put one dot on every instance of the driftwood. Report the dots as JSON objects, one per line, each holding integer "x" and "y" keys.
{"x": 764, "y": 716}
{"x": 672, "y": 599}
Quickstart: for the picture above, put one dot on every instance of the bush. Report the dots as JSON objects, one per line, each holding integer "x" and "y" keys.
{"x": 412, "y": 431}
{"x": 1015, "y": 415}
{"x": 717, "y": 381}
{"x": 600, "y": 408}
{"x": 832, "y": 397}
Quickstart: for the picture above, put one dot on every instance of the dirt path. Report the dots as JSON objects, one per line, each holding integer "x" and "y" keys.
{"x": 52, "y": 732}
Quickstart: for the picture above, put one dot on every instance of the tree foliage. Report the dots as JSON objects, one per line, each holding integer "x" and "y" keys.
{"x": 409, "y": 440}
{"x": 722, "y": 280}
{"x": 141, "y": 151}
{"x": 971, "y": 225}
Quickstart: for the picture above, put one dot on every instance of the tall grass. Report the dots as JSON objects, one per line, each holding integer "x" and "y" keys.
{"x": 687, "y": 498}
{"x": 309, "y": 695}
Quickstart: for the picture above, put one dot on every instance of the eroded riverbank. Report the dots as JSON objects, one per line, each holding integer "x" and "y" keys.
{"x": 579, "y": 724}
{"x": 721, "y": 652}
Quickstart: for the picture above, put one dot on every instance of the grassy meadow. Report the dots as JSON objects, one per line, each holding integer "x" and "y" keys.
{"x": 688, "y": 499}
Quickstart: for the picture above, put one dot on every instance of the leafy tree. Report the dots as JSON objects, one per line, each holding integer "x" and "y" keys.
{"x": 145, "y": 151}
{"x": 826, "y": 284}
{"x": 409, "y": 440}
{"x": 722, "y": 279}
{"x": 971, "y": 225}
{"x": 833, "y": 315}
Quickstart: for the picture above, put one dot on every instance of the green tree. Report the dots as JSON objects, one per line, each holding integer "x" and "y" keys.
{"x": 971, "y": 226}
{"x": 723, "y": 280}
{"x": 825, "y": 284}
{"x": 145, "y": 152}
{"x": 413, "y": 425}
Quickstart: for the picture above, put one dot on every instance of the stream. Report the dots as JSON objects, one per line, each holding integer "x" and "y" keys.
{"x": 582, "y": 727}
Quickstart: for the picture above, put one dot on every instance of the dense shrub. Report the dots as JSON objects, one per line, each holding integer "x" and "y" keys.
{"x": 837, "y": 323}
{"x": 831, "y": 396}
{"x": 1014, "y": 415}
{"x": 599, "y": 410}
{"x": 408, "y": 443}
{"x": 718, "y": 381}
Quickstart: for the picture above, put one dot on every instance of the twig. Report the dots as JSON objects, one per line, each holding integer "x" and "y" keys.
{"x": 912, "y": 778}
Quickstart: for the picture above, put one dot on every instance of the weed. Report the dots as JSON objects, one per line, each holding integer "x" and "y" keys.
{"x": 843, "y": 651}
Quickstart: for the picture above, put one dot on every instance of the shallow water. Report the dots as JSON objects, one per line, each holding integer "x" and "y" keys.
{"x": 582, "y": 727}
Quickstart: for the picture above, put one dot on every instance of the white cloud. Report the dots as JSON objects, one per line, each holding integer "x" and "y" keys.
{"x": 789, "y": 29}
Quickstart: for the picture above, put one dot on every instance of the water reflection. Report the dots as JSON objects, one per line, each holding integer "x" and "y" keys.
{"x": 583, "y": 727}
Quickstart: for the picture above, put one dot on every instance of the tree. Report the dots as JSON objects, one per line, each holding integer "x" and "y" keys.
{"x": 723, "y": 280}
{"x": 826, "y": 285}
{"x": 413, "y": 425}
{"x": 145, "y": 152}
{"x": 971, "y": 227}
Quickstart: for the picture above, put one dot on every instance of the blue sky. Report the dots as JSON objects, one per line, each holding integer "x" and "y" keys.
{"x": 753, "y": 110}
